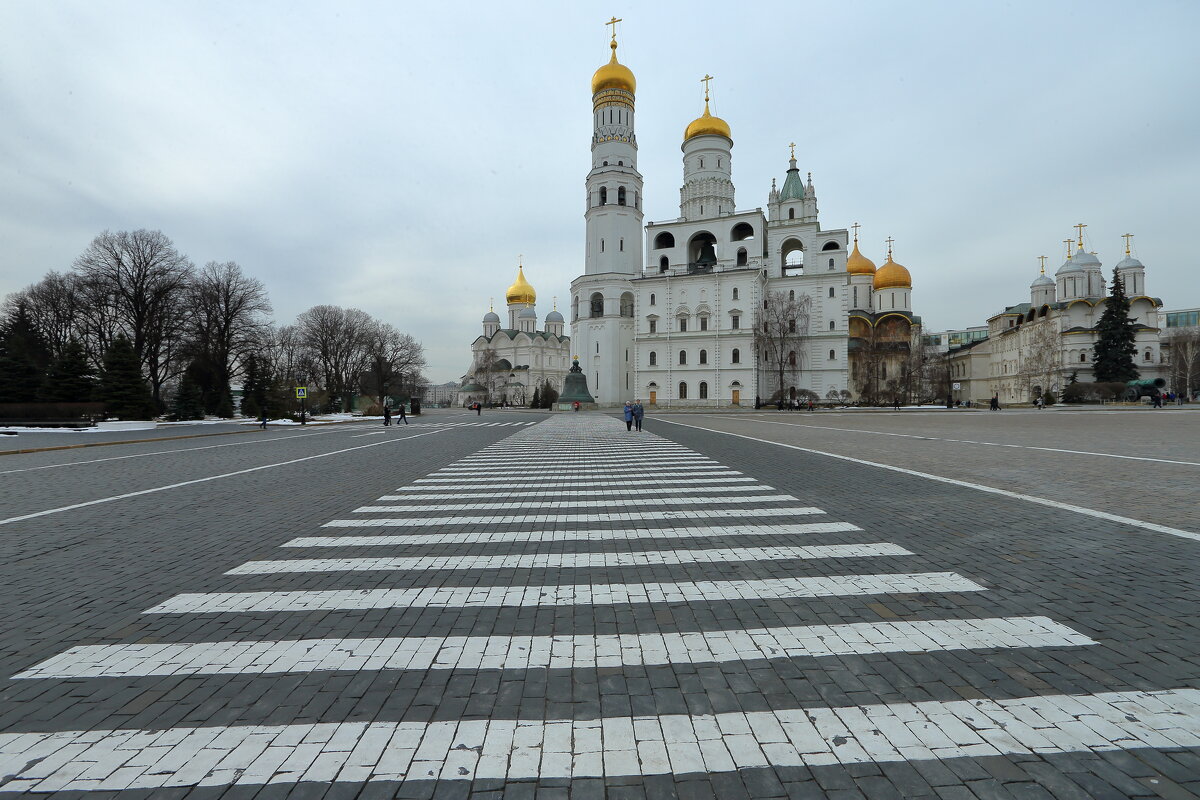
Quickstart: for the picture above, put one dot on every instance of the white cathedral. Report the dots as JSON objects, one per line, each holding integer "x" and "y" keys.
{"x": 677, "y": 326}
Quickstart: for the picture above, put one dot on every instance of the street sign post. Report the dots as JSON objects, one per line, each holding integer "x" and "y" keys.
{"x": 301, "y": 392}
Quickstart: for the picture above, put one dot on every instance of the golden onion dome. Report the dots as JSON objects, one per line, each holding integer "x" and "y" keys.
{"x": 892, "y": 276}
{"x": 614, "y": 75}
{"x": 520, "y": 291}
{"x": 858, "y": 264}
{"x": 707, "y": 125}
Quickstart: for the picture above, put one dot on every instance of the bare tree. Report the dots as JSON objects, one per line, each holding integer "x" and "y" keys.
{"x": 228, "y": 317}
{"x": 396, "y": 361}
{"x": 1040, "y": 360}
{"x": 141, "y": 278}
{"x": 780, "y": 336}
{"x": 53, "y": 305}
{"x": 338, "y": 341}
{"x": 1183, "y": 352}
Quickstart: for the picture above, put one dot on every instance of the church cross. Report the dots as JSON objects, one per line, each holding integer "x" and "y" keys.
{"x": 889, "y": 244}
{"x": 1069, "y": 242}
{"x": 856, "y": 226}
{"x": 1127, "y": 237}
{"x": 613, "y": 22}
{"x": 520, "y": 259}
{"x": 705, "y": 81}
{"x": 1043, "y": 260}
{"x": 1080, "y": 228}
{"x": 793, "y": 146}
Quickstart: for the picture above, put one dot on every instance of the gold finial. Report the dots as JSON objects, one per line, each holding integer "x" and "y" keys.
{"x": 1069, "y": 242}
{"x": 1043, "y": 260}
{"x": 1126, "y": 237}
{"x": 1080, "y": 228}
{"x": 793, "y": 146}
{"x": 491, "y": 304}
{"x": 705, "y": 80}
{"x": 520, "y": 260}
{"x": 889, "y": 244}
{"x": 556, "y": 302}
{"x": 614, "y": 22}
{"x": 856, "y": 226}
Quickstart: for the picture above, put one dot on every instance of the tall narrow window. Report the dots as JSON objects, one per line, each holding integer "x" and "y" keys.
{"x": 603, "y": 195}
{"x": 683, "y": 356}
{"x": 653, "y": 359}
{"x": 735, "y": 293}
{"x": 832, "y": 355}
{"x": 703, "y": 356}
{"x": 654, "y": 326}
{"x": 683, "y": 324}
{"x": 682, "y": 390}
{"x": 735, "y": 322}
{"x": 736, "y": 357}
{"x": 791, "y": 213}
{"x": 703, "y": 390}
{"x": 792, "y": 294}
{"x": 831, "y": 291}
{"x": 704, "y": 323}
{"x": 620, "y": 195}
{"x": 831, "y": 324}
{"x": 622, "y": 247}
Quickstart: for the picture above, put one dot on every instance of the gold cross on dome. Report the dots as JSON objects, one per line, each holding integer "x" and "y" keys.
{"x": 889, "y": 244}
{"x": 1127, "y": 237}
{"x": 705, "y": 81}
{"x": 856, "y": 226}
{"x": 793, "y": 146}
{"x": 613, "y": 22}
{"x": 1043, "y": 260}
{"x": 1069, "y": 242}
{"x": 1080, "y": 228}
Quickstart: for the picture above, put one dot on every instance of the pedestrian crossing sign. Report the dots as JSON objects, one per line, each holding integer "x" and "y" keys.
{"x": 301, "y": 392}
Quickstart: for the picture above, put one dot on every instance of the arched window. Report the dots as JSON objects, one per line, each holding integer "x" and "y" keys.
{"x": 621, "y": 195}
{"x": 741, "y": 257}
{"x": 791, "y": 294}
{"x": 704, "y": 356}
{"x": 1147, "y": 357}
{"x": 832, "y": 355}
{"x": 791, "y": 213}
{"x": 736, "y": 357}
{"x": 664, "y": 264}
{"x": 627, "y": 304}
{"x": 831, "y": 263}
{"x": 652, "y": 298}
{"x": 683, "y": 356}
{"x": 575, "y": 308}
{"x": 603, "y": 195}
{"x": 703, "y": 390}
{"x": 741, "y": 232}
{"x": 682, "y": 390}
{"x": 791, "y": 326}
{"x": 830, "y": 246}
{"x": 735, "y": 293}
{"x": 1082, "y": 357}
{"x": 653, "y": 359}
{"x": 831, "y": 292}
{"x": 792, "y": 254}
{"x": 596, "y": 307}
{"x": 831, "y": 325}
{"x": 792, "y": 358}
{"x": 664, "y": 240}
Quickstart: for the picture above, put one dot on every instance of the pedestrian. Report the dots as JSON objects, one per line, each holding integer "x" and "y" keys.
{"x": 628, "y": 415}
{"x": 575, "y": 406}
{"x": 303, "y": 417}
{"x": 810, "y": 404}
{"x": 387, "y": 415}
{"x": 896, "y": 403}
{"x": 638, "y": 412}
{"x": 478, "y": 409}
{"x": 994, "y": 405}
{"x": 262, "y": 420}
{"x": 401, "y": 415}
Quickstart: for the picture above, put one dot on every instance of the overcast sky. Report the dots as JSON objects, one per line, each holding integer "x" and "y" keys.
{"x": 397, "y": 157}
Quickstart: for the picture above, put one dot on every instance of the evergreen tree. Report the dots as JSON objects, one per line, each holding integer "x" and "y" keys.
{"x": 122, "y": 387}
{"x": 70, "y": 378}
{"x": 549, "y": 395}
{"x": 537, "y": 398}
{"x": 1115, "y": 348}
{"x": 24, "y": 357}
{"x": 189, "y": 402}
{"x": 254, "y": 389}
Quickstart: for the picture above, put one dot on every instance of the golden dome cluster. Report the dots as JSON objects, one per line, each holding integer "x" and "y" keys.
{"x": 521, "y": 291}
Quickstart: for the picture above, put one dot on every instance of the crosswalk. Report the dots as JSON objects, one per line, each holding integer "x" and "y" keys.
{"x": 576, "y": 519}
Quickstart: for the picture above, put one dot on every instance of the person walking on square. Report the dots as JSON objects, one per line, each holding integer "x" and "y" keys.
{"x": 478, "y": 409}
{"x": 387, "y": 415}
{"x": 628, "y": 416}
{"x": 262, "y": 420}
{"x": 638, "y": 412}
{"x": 400, "y": 415}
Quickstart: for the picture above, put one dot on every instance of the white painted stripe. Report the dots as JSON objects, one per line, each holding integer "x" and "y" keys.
{"x": 608, "y": 463}
{"x": 553, "y": 652}
{"x": 1042, "y": 501}
{"x": 590, "y": 477}
{"x": 206, "y": 479}
{"x": 601, "y": 535}
{"x": 559, "y": 458}
{"x": 421, "y": 485}
{"x": 703, "y": 515}
{"x": 717, "y": 555}
{"x": 608, "y": 747}
{"x": 547, "y": 505}
{"x": 568, "y": 594}
{"x": 620, "y": 489}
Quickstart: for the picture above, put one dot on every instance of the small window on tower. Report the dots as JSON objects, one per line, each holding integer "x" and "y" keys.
{"x": 603, "y": 195}
{"x": 620, "y": 163}
{"x": 735, "y": 293}
{"x": 791, "y": 213}
{"x": 831, "y": 324}
{"x": 623, "y": 250}
{"x": 831, "y": 290}
{"x": 702, "y": 163}
{"x": 621, "y": 195}
{"x": 651, "y": 298}
{"x": 718, "y": 162}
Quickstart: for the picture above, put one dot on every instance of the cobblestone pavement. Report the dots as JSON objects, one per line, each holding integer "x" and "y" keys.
{"x": 565, "y": 609}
